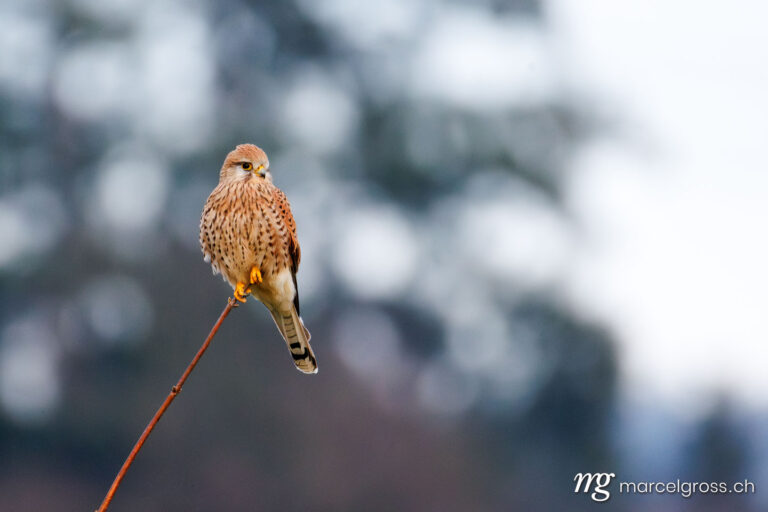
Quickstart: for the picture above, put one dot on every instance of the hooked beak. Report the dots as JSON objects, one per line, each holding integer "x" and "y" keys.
{"x": 261, "y": 171}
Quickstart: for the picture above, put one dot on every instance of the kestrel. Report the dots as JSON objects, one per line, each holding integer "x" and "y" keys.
{"x": 248, "y": 234}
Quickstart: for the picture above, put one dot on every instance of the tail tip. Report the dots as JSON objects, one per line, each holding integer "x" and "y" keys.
{"x": 307, "y": 371}
{"x": 306, "y": 364}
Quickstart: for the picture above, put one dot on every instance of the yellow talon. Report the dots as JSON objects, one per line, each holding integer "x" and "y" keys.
{"x": 256, "y": 275}
{"x": 241, "y": 292}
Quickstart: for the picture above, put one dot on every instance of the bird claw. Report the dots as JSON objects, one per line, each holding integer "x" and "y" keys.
{"x": 241, "y": 292}
{"x": 256, "y": 275}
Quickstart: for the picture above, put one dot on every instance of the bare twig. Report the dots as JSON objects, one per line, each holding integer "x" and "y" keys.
{"x": 175, "y": 390}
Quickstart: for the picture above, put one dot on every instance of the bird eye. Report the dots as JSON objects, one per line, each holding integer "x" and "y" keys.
{"x": 247, "y": 166}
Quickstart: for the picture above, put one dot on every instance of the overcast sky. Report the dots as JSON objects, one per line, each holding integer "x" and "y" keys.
{"x": 673, "y": 201}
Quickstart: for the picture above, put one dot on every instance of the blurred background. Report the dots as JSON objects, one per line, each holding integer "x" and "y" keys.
{"x": 533, "y": 239}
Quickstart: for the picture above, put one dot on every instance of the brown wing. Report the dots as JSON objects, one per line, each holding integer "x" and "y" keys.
{"x": 294, "y": 250}
{"x": 293, "y": 242}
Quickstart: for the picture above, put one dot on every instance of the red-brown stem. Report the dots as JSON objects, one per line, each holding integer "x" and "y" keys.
{"x": 175, "y": 390}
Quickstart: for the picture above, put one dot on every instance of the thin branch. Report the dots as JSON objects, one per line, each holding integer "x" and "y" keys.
{"x": 175, "y": 390}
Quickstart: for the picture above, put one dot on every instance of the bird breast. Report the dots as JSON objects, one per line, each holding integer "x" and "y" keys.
{"x": 241, "y": 227}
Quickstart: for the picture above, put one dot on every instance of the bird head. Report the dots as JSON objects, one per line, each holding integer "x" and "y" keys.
{"x": 245, "y": 162}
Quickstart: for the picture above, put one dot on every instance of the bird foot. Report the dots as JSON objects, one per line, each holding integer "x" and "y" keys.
{"x": 256, "y": 275}
{"x": 241, "y": 292}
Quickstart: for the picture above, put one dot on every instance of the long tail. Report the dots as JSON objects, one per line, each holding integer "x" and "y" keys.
{"x": 296, "y": 337}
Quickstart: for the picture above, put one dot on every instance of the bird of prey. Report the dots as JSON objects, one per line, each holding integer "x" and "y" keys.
{"x": 248, "y": 234}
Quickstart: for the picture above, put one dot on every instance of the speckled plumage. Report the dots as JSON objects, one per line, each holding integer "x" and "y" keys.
{"x": 246, "y": 223}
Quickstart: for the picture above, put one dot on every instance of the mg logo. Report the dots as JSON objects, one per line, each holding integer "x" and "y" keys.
{"x": 584, "y": 482}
